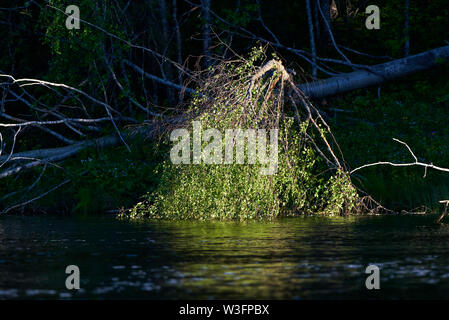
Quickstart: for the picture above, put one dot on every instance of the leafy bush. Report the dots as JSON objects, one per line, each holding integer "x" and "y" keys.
{"x": 239, "y": 191}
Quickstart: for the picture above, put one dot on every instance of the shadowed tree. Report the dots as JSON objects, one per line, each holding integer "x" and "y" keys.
{"x": 205, "y": 7}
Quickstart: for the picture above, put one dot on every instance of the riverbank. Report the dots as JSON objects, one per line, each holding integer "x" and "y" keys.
{"x": 415, "y": 111}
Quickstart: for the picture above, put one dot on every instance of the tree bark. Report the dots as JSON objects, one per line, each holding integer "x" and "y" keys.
{"x": 205, "y": 6}
{"x": 166, "y": 68}
{"x": 342, "y": 9}
{"x": 406, "y": 29}
{"x": 316, "y": 19}
{"x": 312, "y": 39}
{"x": 178, "y": 39}
{"x": 325, "y": 34}
{"x": 377, "y": 74}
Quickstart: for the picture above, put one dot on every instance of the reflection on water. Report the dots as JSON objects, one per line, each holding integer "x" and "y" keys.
{"x": 297, "y": 258}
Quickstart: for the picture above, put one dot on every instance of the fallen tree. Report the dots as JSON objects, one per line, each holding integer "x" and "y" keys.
{"x": 304, "y": 172}
{"x": 377, "y": 74}
{"x": 369, "y": 76}
{"x": 14, "y": 162}
{"x": 373, "y": 75}
{"x": 52, "y": 155}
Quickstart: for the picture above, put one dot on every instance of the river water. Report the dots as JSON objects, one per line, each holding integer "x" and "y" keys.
{"x": 294, "y": 258}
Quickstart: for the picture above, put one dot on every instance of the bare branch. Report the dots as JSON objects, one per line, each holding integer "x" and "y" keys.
{"x": 330, "y": 33}
{"x": 157, "y": 79}
{"x": 53, "y": 122}
{"x": 259, "y": 12}
{"x": 36, "y": 198}
{"x": 415, "y": 163}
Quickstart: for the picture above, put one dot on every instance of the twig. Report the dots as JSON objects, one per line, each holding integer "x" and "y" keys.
{"x": 366, "y": 54}
{"x": 52, "y": 122}
{"x": 30, "y": 82}
{"x": 36, "y": 198}
{"x": 157, "y": 79}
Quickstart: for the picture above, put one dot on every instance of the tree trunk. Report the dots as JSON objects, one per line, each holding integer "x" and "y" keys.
{"x": 316, "y": 19}
{"x": 342, "y": 9}
{"x": 325, "y": 34}
{"x": 378, "y": 74}
{"x": 312, "y": 39}
{"x": 205, "y": 7}
{"x": 58, "y": 154}
{"x": 406, "y": 29}
{"x": 178, "y": 39}
{"x": 167, "y": 70}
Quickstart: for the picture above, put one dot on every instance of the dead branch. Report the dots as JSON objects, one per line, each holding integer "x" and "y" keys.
{"x": 409, "y": 164}
{"x": 331, "y": 35}
{"x": 30, "y": 82}
{"x": 35, "y": 198}
{"x": 157, "y": 79}
{"x": 446, "y": 205}
{"x": 43, "y": 156}
{"x": 53, "y": 122}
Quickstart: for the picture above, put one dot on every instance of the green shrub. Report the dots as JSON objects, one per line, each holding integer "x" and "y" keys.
{"x": 239, "y": 191}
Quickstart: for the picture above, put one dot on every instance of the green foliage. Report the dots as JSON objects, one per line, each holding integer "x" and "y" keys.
{"x": 84, "y": 57}
{"x": 241, "y": 17}
{"x": 239, "y": 191}
{"x": 67, "y": 46}
{"x": 232, "y": 191}
{"x": 341, "y": 194}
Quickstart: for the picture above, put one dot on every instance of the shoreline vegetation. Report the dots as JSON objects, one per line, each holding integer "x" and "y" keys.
{"x": 218, "y": 191}
{"x": 309, "y": 176}
{"x": 94, "y": 134}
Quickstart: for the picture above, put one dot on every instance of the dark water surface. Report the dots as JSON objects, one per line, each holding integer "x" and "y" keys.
{"x": 297, "y": 258}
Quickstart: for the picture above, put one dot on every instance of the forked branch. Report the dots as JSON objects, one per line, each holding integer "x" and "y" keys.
{"x": 408, "y": 164}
